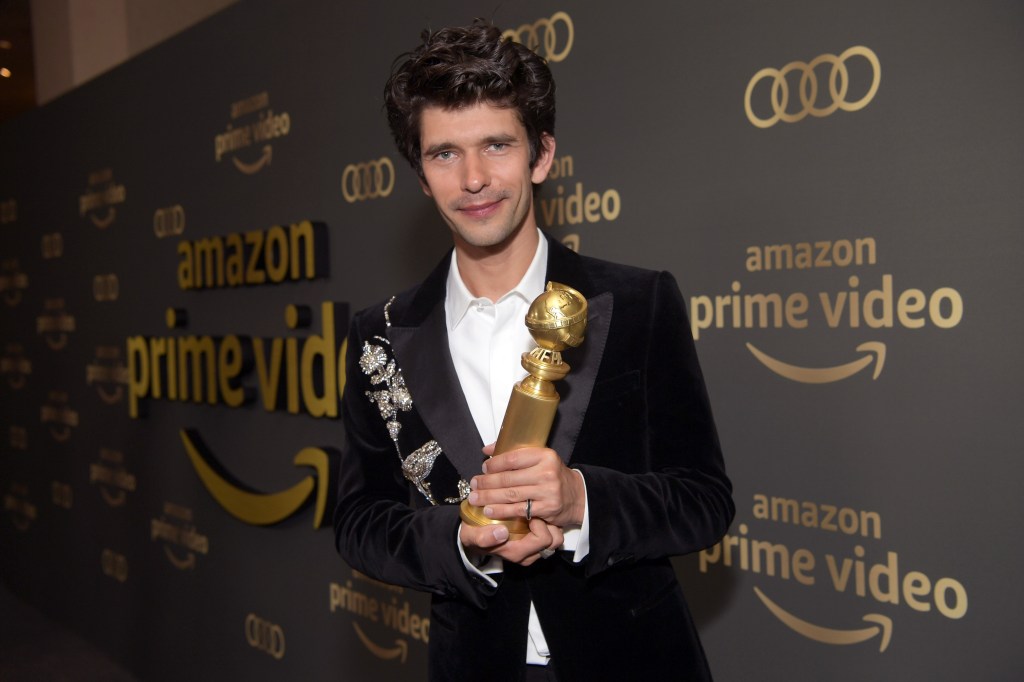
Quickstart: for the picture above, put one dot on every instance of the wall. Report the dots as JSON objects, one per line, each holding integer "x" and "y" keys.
{"x": 848, "y": 245}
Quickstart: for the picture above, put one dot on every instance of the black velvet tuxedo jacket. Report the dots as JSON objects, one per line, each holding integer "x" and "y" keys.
{"x": 634, "y": 419}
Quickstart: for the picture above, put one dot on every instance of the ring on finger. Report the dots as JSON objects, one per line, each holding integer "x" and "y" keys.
{"x": 529, "y": 510}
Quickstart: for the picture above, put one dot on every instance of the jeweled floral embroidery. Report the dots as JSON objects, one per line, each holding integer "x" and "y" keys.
{"x": 391, "y": 399}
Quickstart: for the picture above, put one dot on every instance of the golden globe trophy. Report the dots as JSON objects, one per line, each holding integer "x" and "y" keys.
{"x": 557, "y": 319}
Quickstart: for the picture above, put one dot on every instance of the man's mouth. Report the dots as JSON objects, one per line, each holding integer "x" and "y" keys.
{"x": 481, "y": 208}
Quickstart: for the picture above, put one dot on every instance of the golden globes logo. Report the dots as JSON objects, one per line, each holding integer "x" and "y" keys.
{"x": 368, "y": 180}
{"x": 100, "y": 201}
{"x": 115, "y": 482}
{"x": 238, "y": 136}
{"x": 879, "y": 578}
{"x": 18, "y": 437}
{"x": 375, "y": 607}
{"x": 776, "y": 86}
{"x": 876, "y": 304}
{"x": 13, "y": 282}
{"x": 265, "y": 636}
{"x": 52, "y": 245}
{"x": 19, "y": 507}
{"x": 55, "y": 324}
{"x": 551, "y": 38}
{"x": 15, "y": 367}
{"x": 114, "y": 565}
{"x": 169, "y": 221}
{"x": 176, "y": 530}
{"x": 108, "y": 374}
{"x": 58, "y": 417}
{"x": 62, "y": 494}
{"x": 8, "y": 211}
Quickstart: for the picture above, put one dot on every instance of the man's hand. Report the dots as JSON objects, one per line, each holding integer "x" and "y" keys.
{"x": 534, "y": 478}
{"x": 480, "y": 540}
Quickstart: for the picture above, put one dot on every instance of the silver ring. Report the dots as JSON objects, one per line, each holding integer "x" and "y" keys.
{"x": 529, "y": 510}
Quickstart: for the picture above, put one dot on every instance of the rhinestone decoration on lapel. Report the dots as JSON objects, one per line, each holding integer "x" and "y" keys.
{"x": 391, "y": 399}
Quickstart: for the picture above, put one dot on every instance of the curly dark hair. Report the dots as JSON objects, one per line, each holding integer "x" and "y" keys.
{"x": 463, "y": 66}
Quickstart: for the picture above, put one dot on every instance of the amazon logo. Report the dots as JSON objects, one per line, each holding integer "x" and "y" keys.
{"x": 115, "y": 482}
{"x": 383, "y": 620}
{"x": 13, "y": 282}
{"x": 880, "y": 579}
{"x": 55, "y": 325}
{"x": 15, "y": 367}
{"x": 176, "y": 531}
{"x": 19, "y": 507}
{"x": 867, "y": 307}
{"x": 108, "y": 374}
{"x": 240, "y": 135}
{"x": 18, "y": 437}
{"x": 262, "y": 508}
{"x": 58, "y": 416}
{"x": 100, "y": 201}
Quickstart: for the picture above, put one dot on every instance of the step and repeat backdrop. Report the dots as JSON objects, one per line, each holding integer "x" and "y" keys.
{"x": 837, "y": 188}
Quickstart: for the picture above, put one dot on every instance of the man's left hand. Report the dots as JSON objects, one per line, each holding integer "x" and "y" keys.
{"x": 534, "y": 477}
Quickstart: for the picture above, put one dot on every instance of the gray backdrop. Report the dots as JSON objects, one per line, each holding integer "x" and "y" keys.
{"x": 866, "y": 390}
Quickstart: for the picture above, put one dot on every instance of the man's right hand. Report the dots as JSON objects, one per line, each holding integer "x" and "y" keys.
{"x": 494, "y": 540}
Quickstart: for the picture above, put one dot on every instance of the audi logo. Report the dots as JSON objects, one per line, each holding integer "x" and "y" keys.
{"x": 543, "y": 36}
{"x": 168, "y": 222}
{"x": 369, "y": 180}
{"x": 114, "y": 565}
{"x": 263, "y": 635}
{"x": 838, "y": 87}
{"x": 52, "y": 245}
{"x": 106, "y": 287}
{"x": 63, "y": 495}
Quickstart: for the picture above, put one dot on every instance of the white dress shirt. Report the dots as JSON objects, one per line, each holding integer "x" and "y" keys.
{"x": 486, "y": 339}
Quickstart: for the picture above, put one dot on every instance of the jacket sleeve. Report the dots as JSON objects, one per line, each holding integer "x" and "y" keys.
{"x": 672, "y": 496}
{"x": 377, "y": 530}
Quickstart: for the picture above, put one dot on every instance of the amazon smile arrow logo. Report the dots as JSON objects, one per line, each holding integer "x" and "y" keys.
{"x": 251, "y": 506}
{"x": 257, "y": 165}
{"x": 883, "y": 626}
{"x": 825, "y": 375}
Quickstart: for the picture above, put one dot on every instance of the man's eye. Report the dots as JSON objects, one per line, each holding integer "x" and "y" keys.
{"x": 444, "y": 156}
{"x": 499, "y": 146}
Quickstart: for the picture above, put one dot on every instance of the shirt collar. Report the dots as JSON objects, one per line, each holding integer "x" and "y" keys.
{"x": 458, "y": 298}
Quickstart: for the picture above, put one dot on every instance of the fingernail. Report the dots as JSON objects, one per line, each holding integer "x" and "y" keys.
{"x": 500, "y": 533}
{"x": 488, "y": 511}
{"x": 472, "y": 483}
{"x": 473, "y": 498}
{"x": 485, "y": 467}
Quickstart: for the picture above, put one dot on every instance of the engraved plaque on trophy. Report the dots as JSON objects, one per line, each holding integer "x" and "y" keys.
{"x": 557, "y": 319}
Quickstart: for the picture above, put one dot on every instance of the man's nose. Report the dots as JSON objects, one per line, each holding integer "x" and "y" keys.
{"x": 475, "y": 174}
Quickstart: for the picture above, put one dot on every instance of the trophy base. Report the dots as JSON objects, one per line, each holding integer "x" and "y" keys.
{"x": 474, "y": 516}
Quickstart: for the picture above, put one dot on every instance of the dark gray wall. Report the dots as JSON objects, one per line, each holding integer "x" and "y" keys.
{"x": 894, "y": 433}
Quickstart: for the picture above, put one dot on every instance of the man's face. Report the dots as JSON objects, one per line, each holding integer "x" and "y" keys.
{"x": 476, "y": 168}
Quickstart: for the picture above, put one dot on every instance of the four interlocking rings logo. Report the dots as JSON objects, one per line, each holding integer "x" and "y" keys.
{"x": 544, "y": 33}
{"x": 264, "y": 635}
{"x": 370, "y": 180}
{"x": 838, "y": 86}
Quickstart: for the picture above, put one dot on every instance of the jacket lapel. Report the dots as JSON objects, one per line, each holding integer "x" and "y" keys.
{"x": 421, "y": 349}
{"x": 566, "y": 267}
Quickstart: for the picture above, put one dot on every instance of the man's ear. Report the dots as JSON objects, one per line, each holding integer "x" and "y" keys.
{"x": 425, "y": 187}
{"x": 545, "y": 156}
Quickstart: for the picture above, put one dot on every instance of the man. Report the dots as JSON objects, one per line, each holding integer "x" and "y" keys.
{"x": 634, "y": 472}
